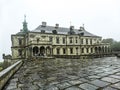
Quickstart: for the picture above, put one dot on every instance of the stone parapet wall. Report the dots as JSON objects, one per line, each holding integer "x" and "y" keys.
{"x": 8, "y": 72}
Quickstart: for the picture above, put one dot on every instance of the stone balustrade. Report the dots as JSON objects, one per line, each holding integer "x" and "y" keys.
{"x": 8, "y": 72}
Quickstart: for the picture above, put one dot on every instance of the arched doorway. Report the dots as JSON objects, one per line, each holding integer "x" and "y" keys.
{"x": 35, "y": 51}
{"x": 42, "y": 51}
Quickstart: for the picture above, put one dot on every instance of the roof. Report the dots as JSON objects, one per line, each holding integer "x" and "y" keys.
{"x": 62, "y": 30}
{"x": 22, "y": 32}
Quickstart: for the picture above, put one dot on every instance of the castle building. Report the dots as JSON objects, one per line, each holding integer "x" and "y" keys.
{"x": 56, "y": 41}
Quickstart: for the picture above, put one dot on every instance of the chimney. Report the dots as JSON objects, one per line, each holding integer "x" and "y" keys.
{"x": 56, "y": 25}
{"x": 44, "y": 24}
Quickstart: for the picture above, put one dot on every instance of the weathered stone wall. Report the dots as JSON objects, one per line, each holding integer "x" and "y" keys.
{"x": 8, "y": 72}
{"x": 15, "y": 45}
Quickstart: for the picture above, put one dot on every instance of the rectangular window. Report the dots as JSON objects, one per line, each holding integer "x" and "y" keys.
{"x": 87, "y": 50}
{"x": 86, "y": 41}
{"x": 76, "y": 50}
{"x": 63, "y": 40}
{"x": 57, "y": 40}
{"x": 20, "y": 52}
{"x": 58, "y": 51}
{"x": 90, "y": 41}
{"x": 91, "y": 50}
{"x": 50, "y": 39}
{"x": 76, "y": 40}
{"x": 71, "y": 50}
{"x": 38, "y": 40}
{"x": 64, "y": 51}
{"x": 81, "y": 41}
{"x": 71, "y": 39}
{"x": 20, "y": 41}
{"x": 82, "y": 51}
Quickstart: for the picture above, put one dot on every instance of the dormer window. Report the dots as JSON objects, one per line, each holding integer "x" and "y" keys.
{"x": 42, "y": 31}
{"x": 71, "y": 30}
{"x": 54, "y": 31}
{"x": 81, "y": 34}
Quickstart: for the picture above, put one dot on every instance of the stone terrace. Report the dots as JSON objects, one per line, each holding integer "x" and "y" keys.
{"x": 67, "y": 74}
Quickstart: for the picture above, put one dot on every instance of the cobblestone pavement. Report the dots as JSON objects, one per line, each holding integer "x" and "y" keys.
{"x": 67, "y": 74}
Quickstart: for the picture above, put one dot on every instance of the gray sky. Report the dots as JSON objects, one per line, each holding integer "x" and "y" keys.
{"x": 101, "y": 17}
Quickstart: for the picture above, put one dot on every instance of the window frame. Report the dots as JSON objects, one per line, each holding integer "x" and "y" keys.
{"x": 57, "y": 40}
{"x": 58, "y": 51}
{"x": 20, "y": 41}
{"x": 70, "y": 40}
{"x": 71, "y": 50}
{"x": 63, "y": 39}
{"x": 82, "y": 50}
{"x": 50, "y": 38}
{"x": 64, "y": 51}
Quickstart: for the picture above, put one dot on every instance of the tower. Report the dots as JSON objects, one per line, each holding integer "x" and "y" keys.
{"x": 25, "y": 29}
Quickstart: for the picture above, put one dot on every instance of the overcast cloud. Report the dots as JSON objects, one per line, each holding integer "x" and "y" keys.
{"x": 101, "y": 17}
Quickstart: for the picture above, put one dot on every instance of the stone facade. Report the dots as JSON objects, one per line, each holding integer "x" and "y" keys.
{"x": 47, "y": 41}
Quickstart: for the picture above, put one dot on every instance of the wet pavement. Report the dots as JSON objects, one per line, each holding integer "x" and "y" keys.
{"x": 67, "y": 74}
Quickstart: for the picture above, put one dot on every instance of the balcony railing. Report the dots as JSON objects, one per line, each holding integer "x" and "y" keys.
{"x": 40, "y": 42}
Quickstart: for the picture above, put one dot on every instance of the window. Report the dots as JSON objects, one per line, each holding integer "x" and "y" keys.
{"x": 20, "y": 52}
{"x": 86, "y": 41}
{"x": 95, "y": 40}
{"x": 20, "y": 41}
{"x": 63, "y": 40}
{"x": 87, "y": 50}
{"x": 64, "y": 51}
{"x": 54, "y": 32}
{"x": 58, "y": 51}
{"x": 38, "y": 40}
{"x": 42, "y": 31}
{"x": 90, "y": 41}
{"x": 43, "y": 37}
{"x": 82, "y": 34}
{"x": 50, "y": 39}
{"x": 91, "y": 50}
{"x": 76, "y": 40}
{"x": 77, "y": 50}
{"x": 57, "y": 39}
{"x": 71, "y": 50}
{"x": 82, "y": 51}
{"x": 81, "y": 41}
{"x": 70, "y": 38}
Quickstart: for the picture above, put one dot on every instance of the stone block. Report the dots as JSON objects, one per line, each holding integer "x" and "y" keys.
{"x": 87, "y": 86}
{"x": 99, "y": 83}
{"x": 109, "y": 79}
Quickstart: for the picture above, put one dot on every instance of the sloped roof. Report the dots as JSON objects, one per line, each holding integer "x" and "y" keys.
{"x": 21, "y": 33}
{"x": 62, "y": 30}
